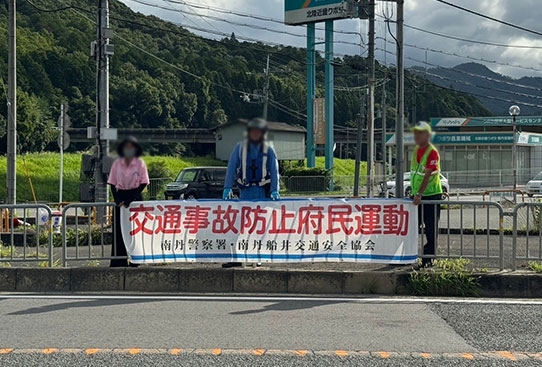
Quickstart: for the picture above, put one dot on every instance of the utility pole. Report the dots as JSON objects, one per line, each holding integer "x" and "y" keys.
{"x": 400, "y": 125}
{"x": 359, "y": 140}
{"x": 266, "y": 90}
{"x": 384, "y": 107}
{"x": 371, "y": 111}
{"x": 103, "y": 52}
{"x": 12, "y": 106}
{"x": 330, "y": 100}
{"x": 311, "y": 87}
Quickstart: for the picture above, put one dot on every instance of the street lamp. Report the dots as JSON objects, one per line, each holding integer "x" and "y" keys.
{"x": 514, "y": 111}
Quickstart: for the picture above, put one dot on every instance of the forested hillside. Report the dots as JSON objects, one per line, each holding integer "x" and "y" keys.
{"x": 163, "y": 76}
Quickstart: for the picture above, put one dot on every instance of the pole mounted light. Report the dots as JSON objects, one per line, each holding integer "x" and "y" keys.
{"x": 515, "y": 111}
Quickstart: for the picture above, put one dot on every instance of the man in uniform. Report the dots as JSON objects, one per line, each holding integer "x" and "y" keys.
{"x": 426, "y": 186}
{"x": 254, "y": 168}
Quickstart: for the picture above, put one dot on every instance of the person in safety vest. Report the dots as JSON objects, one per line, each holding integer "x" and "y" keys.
{"x": 253, "y": 166}
{"x": 426, "y": 186}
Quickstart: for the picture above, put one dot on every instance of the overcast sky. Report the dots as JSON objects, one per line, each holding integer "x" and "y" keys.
{"x": 427, "y": 14}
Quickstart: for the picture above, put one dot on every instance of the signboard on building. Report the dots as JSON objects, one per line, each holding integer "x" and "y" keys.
{"x": 308, "y": 11}
{"x": 320, "y": 121}
{"x": 454, "y": 122}
{"x": 305, "y": 230}
{"x": 470, "y": 139}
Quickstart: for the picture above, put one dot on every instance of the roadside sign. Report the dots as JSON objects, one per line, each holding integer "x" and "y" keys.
{"x": 320, "y": 121}
{"x": 64, "y": 142}
{"x": 455, "y": 122}
{"x": 308, "y": 11}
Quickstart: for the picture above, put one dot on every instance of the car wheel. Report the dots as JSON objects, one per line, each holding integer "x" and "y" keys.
{"x": 190, "y": 196}
{"x": 408, "y": 192}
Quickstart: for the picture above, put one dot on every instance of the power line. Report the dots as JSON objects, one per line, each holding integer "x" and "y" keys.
{"x": 474, "y": 85}
{"x": 230, "y": 22}
{"x": 468, "y": 40}
{"x": 248, "y": 15}
{"x": 432, "y": 50}
{"x": 490, "y": 18}
{"x": 64, "y": 8}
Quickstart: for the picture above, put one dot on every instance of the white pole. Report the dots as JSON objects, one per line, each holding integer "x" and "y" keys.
{"x": 61, "y": 145}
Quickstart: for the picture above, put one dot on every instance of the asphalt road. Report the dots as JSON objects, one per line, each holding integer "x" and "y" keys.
{"x": 211, "y": 331}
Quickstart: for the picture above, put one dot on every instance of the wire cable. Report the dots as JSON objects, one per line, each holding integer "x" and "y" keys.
{"x": 485, "y": 16}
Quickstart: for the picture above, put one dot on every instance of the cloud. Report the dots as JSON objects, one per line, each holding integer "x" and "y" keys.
{"x": 426, "y": 14}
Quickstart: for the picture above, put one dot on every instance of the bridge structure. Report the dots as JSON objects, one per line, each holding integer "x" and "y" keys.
{"x": 188, "y": 136}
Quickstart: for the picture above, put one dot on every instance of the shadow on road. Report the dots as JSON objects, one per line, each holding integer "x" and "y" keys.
{"x": 78, "y": 304}
{"x": 285, "y": 306}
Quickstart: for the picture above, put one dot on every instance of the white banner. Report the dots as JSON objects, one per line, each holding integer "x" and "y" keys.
{"x": 304, "y": 230}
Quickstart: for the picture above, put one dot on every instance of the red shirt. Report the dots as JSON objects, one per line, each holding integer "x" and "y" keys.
{"x": 432, "y": 160}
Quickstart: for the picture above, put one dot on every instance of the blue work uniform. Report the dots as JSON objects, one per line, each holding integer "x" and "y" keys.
{"x": 253, "y": 189}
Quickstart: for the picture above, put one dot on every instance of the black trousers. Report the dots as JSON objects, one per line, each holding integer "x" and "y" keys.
{"x": 119, "y": 248}
{"x": 429, "y": 216}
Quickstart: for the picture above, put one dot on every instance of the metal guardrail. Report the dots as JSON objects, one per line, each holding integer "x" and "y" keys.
{"x": 82, "y": 230}
{"x": 468, "y": 229}
{"x": 482, "y": 222}
{"x": 527, "y": 236}
{"x": 502, "y": 193}
{"x": 28, "y": 231}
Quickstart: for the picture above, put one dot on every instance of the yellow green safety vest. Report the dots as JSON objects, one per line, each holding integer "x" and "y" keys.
{"x": 417, "y": 173}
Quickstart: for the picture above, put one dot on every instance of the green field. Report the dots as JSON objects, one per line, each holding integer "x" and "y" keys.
{"x": 43, "y": 171}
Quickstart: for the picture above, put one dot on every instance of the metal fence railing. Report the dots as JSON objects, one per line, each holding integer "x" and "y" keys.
{"x": 463, "y": 229}
{"x": 88, "y": 232}
{"x": 485, "y": 232}
{"x": 156, "y": 188}
{"x": 26, "y": 235}
{"x": 527, "y": 236}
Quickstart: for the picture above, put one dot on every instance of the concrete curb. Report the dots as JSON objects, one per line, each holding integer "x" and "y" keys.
{"x": 274, "y": 281}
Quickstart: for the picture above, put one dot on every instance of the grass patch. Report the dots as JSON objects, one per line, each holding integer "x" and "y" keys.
{"x": 43, "y": 169}
{"x": 535, "y": 266}
{"x": 452, "y": 278}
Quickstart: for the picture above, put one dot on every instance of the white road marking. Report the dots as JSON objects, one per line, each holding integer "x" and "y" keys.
{"x": 221, "y": 298}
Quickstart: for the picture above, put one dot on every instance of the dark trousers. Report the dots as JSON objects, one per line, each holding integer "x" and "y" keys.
{"x": 119, "y": 248}
{"x": 429, "y": 215}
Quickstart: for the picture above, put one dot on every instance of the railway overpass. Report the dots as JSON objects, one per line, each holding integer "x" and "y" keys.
{"x": 187, "y": 136}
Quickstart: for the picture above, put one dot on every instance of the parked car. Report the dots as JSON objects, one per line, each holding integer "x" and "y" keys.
{"x": 198, "y": 183}
{"x": 390, "y": 185}
{"x": 534, "y": 186}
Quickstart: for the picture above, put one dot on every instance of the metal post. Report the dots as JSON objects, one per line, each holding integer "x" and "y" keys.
{"x": 311, "y": 85}
{"x": 266, "y": 90}
{"x": 384, "y": 107}
{"x": 101, "y": 193}
{"x": 359, "y": 141}
{"x": 515, "y": 156}
{"x": 400, "y": 125}
{"x": 371, "y": 111}
{"x": 12, "y": 107}
{"x": 61, "y": 145}
{"x": 330, "y": 99}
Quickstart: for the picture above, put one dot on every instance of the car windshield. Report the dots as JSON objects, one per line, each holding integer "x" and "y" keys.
{"x": 187, "y": 176}
{"x": 538, "y": 177}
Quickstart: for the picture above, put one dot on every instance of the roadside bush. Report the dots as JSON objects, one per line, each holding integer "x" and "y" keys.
{"x": 159, "y": 169}
{"x": 304, "y": 172}
{"x": 446, "y": 278}
{"x": 73, "y": 236}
